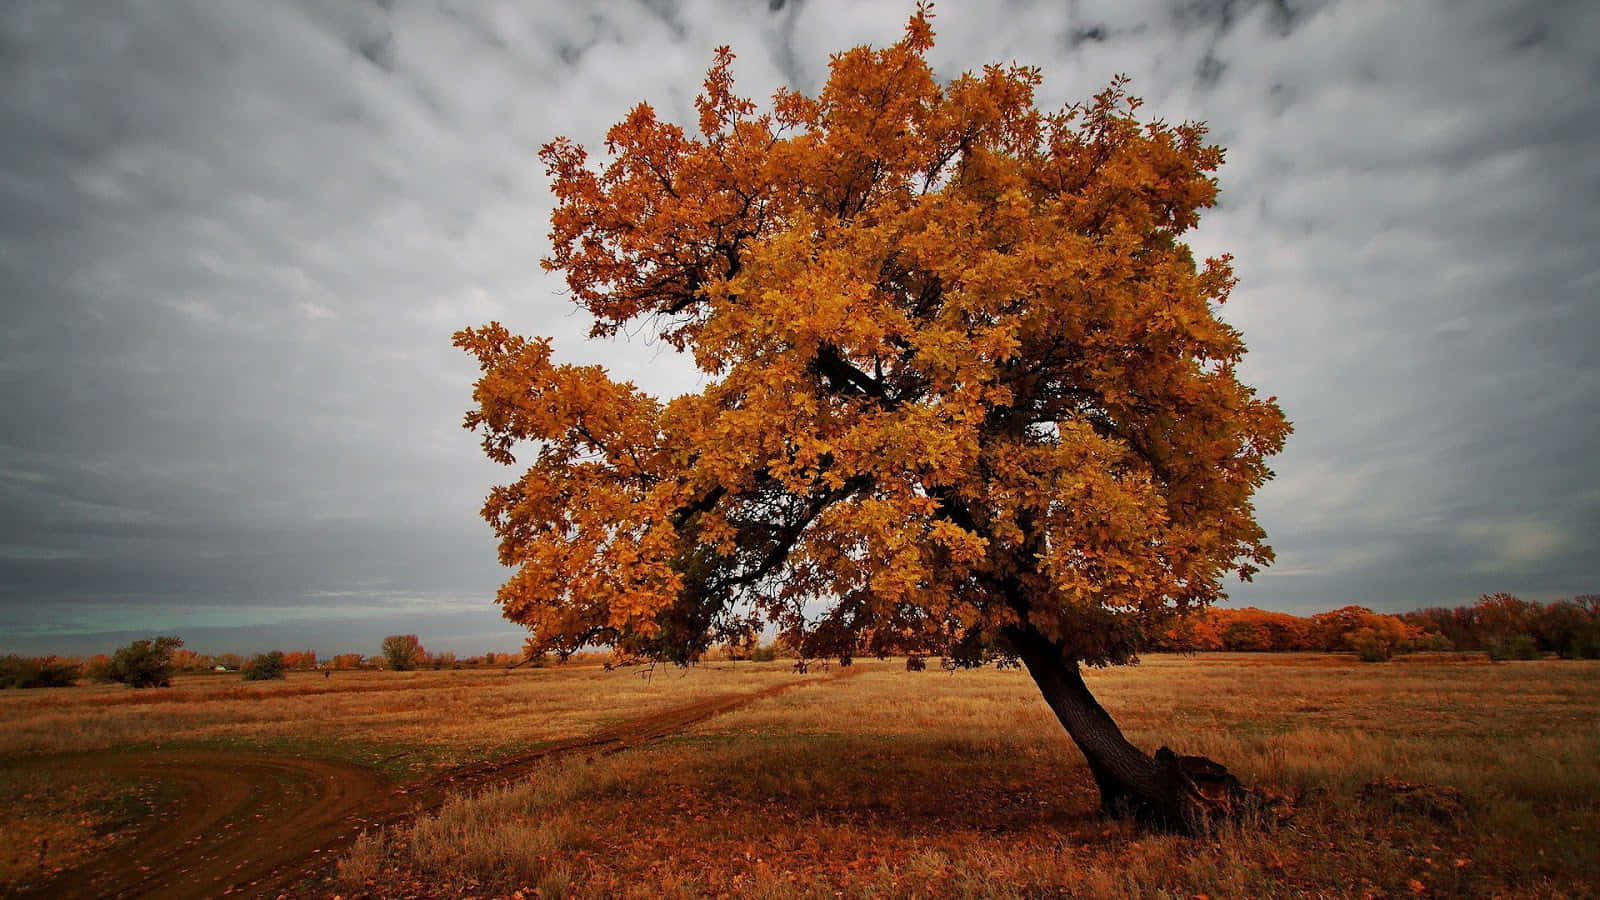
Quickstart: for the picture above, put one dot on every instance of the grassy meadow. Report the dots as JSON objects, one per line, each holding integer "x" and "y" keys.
{"x": 930, "y": 784}
{"x": 55, "y": 808}
{"x": 891, "y": 783}
{"x": 405, "y": 723}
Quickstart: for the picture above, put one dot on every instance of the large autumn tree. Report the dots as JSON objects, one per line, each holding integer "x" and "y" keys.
{"x": 966, "y": 390}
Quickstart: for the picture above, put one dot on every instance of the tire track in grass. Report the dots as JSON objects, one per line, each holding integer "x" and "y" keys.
{"x": 247, "y": 824}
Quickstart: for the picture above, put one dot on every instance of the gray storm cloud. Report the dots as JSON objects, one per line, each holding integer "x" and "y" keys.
{"x": 235, "y": 239}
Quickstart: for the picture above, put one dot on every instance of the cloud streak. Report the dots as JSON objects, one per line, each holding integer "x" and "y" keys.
{"x": 235, "y": 238}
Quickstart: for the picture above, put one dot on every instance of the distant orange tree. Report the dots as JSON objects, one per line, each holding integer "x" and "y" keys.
{"x": 965, "y": 389}
{"x": 1258, "y": 629}
{"x": 1330, "y": 629}
{"x": 186, "y": 660}
{"x": 300, "y": 659}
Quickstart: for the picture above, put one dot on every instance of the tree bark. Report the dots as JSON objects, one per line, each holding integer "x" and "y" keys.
{"x": 1176, "y": 793}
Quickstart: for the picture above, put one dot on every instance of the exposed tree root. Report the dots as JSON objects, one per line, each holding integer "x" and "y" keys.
{"x": 1194, "y": 795}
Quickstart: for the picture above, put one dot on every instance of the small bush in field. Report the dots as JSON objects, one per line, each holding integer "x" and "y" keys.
{"x": 403, "y": 652}
{"x": 1437, "y": 643}
{"x": 1586, "y": 647}
{"x": 1514, "y": 646}
{"x": 144, "y": 664}
{"x": 45, "y": 671}
{"x": 265, "y": 666}
{"x": 1371, "y": 647}
{"x": 764, "y": 653}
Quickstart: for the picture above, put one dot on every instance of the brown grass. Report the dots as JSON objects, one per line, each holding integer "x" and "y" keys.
{"x": 52, "y": 819}
{"x": 408, "y": 723}
{"x": 890, "y": 783}
{"x": 926, "y": 784}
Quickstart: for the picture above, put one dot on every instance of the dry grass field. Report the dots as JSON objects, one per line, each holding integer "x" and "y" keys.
{"x": 880, "y": 783}
{"x": 63, "y": 795}
{"x": 402, "y": 722}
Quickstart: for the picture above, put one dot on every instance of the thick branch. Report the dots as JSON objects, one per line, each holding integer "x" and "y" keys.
{"x": 846, "y": 378}
{"x": 789, "y": 535}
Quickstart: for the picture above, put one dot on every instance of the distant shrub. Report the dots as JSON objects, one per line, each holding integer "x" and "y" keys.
{"x": 37, "y": 672}
{"x": 266, "y": 666}
{"x": 764, "y": 653}
{"x": 916, "y": 663}
{"x": 186, "y": 660}
{"x": 95, "y": 667}
{"x": 1369, "y": 647}
{"x": 1437, "y": 643}
{"x": 144, "y": 664}
{"x": 1457, "y": 627}
{"x": 1378, "y": 638}
{"x": 1569, "y": 628}
{"x": 737, "y": 647}
{"x": 403, "y": 652}
{"x": 1512, "y": 646}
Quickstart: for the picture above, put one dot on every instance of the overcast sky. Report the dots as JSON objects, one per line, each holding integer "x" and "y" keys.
{"x": 235, "y": 238}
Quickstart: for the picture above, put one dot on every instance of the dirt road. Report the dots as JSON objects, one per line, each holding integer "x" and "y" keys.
{"x": 257, "y": 825}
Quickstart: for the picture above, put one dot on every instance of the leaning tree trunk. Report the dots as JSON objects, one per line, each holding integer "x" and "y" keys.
{"x": 1177, "y": 793}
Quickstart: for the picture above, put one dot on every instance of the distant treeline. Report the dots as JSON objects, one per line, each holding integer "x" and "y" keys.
{"x": 64, "y": 671}
{"x": 306, "y": 660}
{"x": 1501, "y": 624}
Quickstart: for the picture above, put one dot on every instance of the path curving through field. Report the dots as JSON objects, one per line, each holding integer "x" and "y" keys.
{"x": 247, "y": 824}
{"x": 233, "y": 820}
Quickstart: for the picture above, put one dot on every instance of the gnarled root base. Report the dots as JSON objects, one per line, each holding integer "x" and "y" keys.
{"x": 1192, "y": 795}
{"x": 1181, "y": 794}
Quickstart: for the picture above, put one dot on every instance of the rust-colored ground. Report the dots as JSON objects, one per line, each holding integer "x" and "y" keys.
{"x": 234, "y": 820}
{"x": 1442, "y": 775}
{"x": 258, "y": 825}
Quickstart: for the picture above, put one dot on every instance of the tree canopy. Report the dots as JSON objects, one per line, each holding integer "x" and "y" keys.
{"x": 403, "y": 652}
{"x": 144, "y": 664}
{"x": 963, "y": 380}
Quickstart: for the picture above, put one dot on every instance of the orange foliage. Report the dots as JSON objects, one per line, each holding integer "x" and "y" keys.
{"x": 1240, "y": 629}
{"x": 186, "y": 660}
{"x": 1502, "y": 614}
{"x": 961, "y": 376}
{"x": 300, "y": 659}
{"x": 1331, "y": 627}
{"x": 1348, "y": 628}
